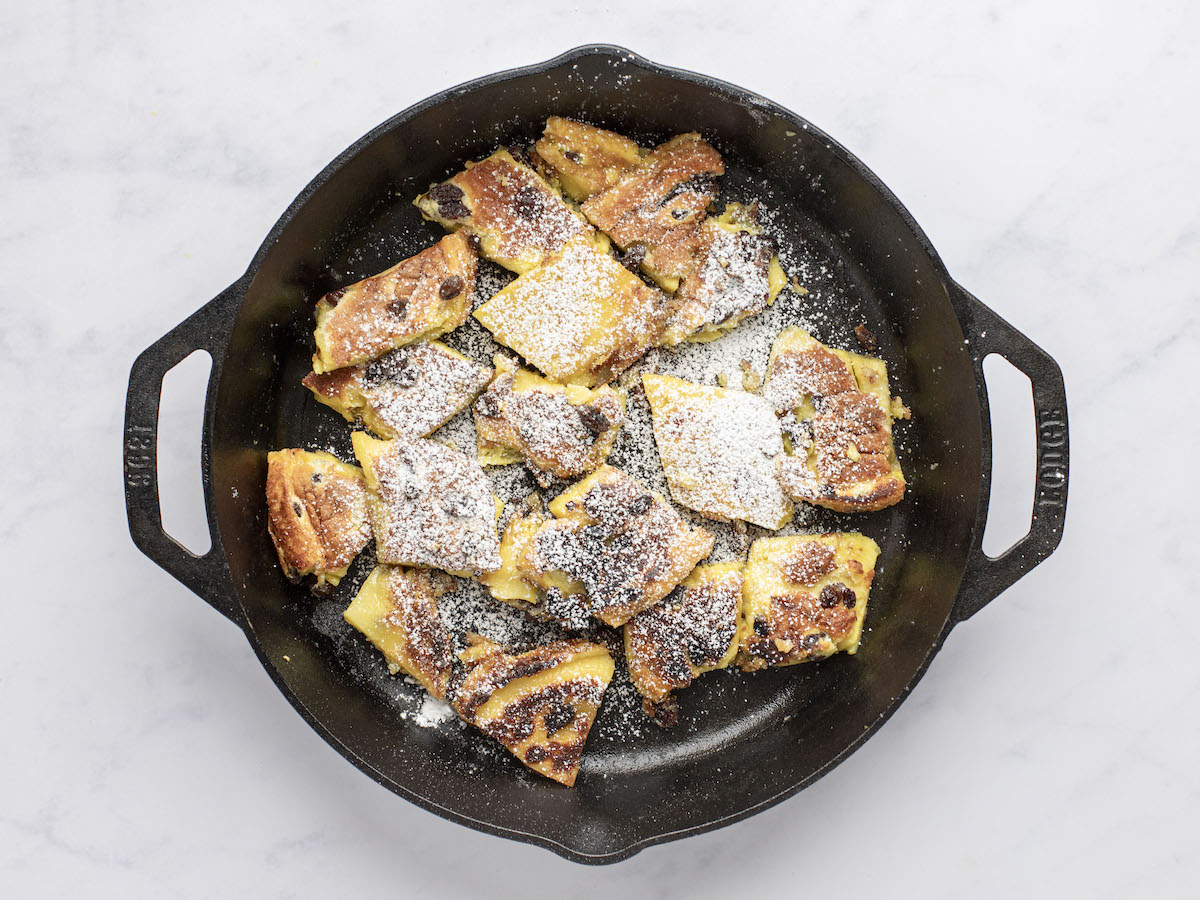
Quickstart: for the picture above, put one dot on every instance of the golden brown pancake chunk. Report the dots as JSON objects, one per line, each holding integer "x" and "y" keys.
{"x": 316, "y": 513}
{"x": 720, "y": 450}
{"x": 581, "y": 318}
{"x": 837, "y": 413}
{"x": 616, "y": 545}
{"x": 804, "y": 597}
{"x": 509, "y": 583}
{"x": 539, "y": 704}
{"x": 693, "y": 631}
{"x": 431, "y": 506}
{"x": 655, "y": 211}
{"x": 560, "y": 430}
{"x": 397, "y": 610}
{"x": 584, "y": 160}
{"x": 413, "y": 390}
{"x": 519, "y": 220}
{"x": 737, "y": 275}
{"x": 420, "y": 298}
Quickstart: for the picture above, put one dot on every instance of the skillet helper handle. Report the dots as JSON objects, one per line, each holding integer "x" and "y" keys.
{"x": 987, "y": 577}
{"x": 206, "y": 329}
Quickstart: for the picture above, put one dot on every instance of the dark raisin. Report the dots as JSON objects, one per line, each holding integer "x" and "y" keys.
{"x": 633, "y": 256}
{"x": 520, "y": 154}
{"x": 456, "y": 504}
{"x": 411, "y": 491}
{"x": 488, "y": 405}
{"x": 293, "y": 576}
{"x": 866, "y": 338}
{"x": 535, "y": 754}
{"x": 316, "y": 477}
{"x": 837, "y": 593}
{"x": 397, "y": 368}
{"x": 528, "y": 202}
{"x": 640, "y": 504}
{"x": 399, "y": 308}
{"x": 448, "y": 198}
{"x": 593, "y": 419}
{"x": 573, "y": 155}
{"x": 333, "y": 298}
{"x": 558, "y": 716}
{"x": 665, "y": 714}
{"x": 474, "y": 241}
{"x": 761, "y": 627}
{"x": 812, "y": 641}
{"x": 322, "y": 588}
{"x": 451, "y": 287}
{"x": 297, "y": 508}
{"x": 678, "y": 212}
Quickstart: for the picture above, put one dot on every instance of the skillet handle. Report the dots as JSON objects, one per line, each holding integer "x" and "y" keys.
{"x": 206, "y": 329}
{"x": 986, "y": 577}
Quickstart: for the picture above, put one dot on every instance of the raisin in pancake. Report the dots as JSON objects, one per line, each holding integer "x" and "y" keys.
{"x": 519, "y": 220}
{"x": 582, "y": 159}
{"x": 397, "y": 610}
{"x": 804, "y": 597}
{"x": 581, "y": 318}
{"x": 413, "y": 390}
{"x": 316, "y": 513}
{"x": 564, "y": 431}
{"x": 719, "y": 449}
{"x": 659, "y": 206}
{"x": 420, "y": 298}
{"x": 431, "y": 506}
{"x": 694, "y": 630}
{"x": 837, "y": 414}
{"x": 539, "y": 704}
{"x": 737, "y": 275}
{"x": 619, "y": 545}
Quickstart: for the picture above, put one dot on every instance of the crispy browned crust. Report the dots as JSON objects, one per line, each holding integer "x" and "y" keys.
{"x": 520, "y": 220}
{"x": 798, "y": 620}
{"x": 562, "y": 709}
{"x": 418, "y": 299}
{"x": 661, "y": 204}
{"x": 413, "y": 594}
{"x": 691, "y": 629}
{"x": 316, "y": 512}
{"x": 849, "y": 433}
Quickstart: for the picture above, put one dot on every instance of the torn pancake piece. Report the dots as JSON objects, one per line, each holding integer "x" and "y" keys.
{"x": 562, "y": 430}
{"x": 539, "y": 704}
{"x": 836, "y": 413}
{"x": 655, "y": 210}
{"x": 804, "y": 597}
{"x": 397, "y": 610}
{"x": 316, "y": 513}
{"x": 431, "y": 506}
{"x": 693, "y": 631}
{"x": 719, "y": 449}
{"x": 418, "y": 299}
{"x": 581, "y": 318}
{"x": 737, "y": 275}
{"x": 519, "y": 220}
{"x": 583, "y": 159}
{"x": 413, "y": 390}
{"x": 616, "y": 544}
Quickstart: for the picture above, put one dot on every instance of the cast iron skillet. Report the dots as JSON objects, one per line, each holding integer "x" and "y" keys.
{"x": 769, "y": 735}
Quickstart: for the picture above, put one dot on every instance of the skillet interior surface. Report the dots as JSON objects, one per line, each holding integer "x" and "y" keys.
{"x": 743, "y": 741}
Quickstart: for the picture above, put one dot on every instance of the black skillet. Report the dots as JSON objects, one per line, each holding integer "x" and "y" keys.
{"x": 745, "y": 742}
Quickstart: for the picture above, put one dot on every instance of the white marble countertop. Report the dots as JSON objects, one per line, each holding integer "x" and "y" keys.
{"x": 1048, "y": 150}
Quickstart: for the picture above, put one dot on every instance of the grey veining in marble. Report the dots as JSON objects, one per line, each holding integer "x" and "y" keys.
{"x": 1049, "y": 151}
